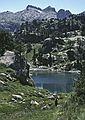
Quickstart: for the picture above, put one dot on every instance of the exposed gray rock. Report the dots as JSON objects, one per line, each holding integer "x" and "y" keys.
{"x": 34, "y": 102}
{"x": 48, "y": 15}
{"x": 1, "y": 82}
{"x": 51, "y": 97}
{"x": 17, "y": 97}
{"x": 14, "y": 100}
{"x": 30, "y": 6}
{"x": 45, "y": 107}
{"x": 49, "y": 8}
{"x": 6, "y": 77}
{"x": 40, "y": 94}
{"x": 7, "y": 58}
{"x": 21, "y": 93}
{"x": 2, "y": 74}
{"x": 63, "y": 14}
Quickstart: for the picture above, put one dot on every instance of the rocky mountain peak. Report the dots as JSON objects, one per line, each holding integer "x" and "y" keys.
{"x": 63, "y": 14}
{"x": 83, "y": 13}
{"x": 61, "y": 10}
{"x": 34, "y": 7}
{"x": 49, "y": 8}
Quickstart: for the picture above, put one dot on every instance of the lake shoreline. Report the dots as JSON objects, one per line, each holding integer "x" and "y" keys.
{"x": 52, "y": 70}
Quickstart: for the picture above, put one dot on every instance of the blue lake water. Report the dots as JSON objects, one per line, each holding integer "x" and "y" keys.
{"x": 55, "y": 82}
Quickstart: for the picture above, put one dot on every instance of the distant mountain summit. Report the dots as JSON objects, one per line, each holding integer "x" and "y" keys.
{"x": 30, "y": 6}
{"x": 83, "y": 13}
{"x": 63, "y": 14}
{"x": 11, "y": 21}
{"x": 49, "y": 8}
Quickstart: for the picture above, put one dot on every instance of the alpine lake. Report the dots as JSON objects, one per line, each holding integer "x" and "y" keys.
{"x": 55, "y": 82}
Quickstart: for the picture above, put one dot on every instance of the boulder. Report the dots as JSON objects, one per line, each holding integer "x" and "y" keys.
{"x": 34, "y": 102}
{"x": 6, "y": 76}
{"x": 21, "y": 93}
{"x": 7, "y": 58}
{"x": 9, "y": 77}
{"x": 1, "y": 82}
{"x": 40, "y": 94}
{"x": 51, "y": 97}
{"x": 2, "y": 74}
{"x": 17, "y": 97}
{"x": 14, "y": 100}
{"x": 45, "y": 107}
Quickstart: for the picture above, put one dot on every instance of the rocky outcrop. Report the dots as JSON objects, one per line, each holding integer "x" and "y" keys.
{"x": 7, "y": 58}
